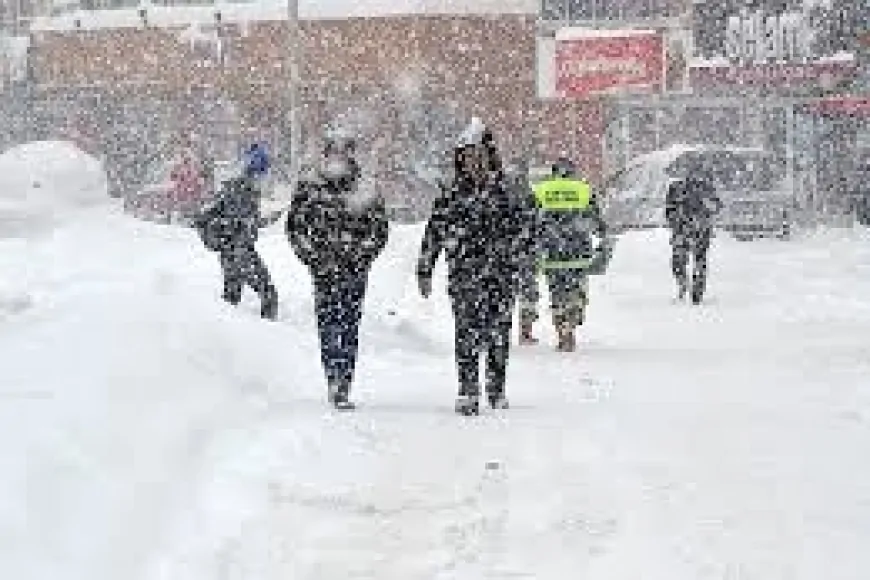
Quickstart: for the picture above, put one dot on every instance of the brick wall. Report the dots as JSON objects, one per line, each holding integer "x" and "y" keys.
{"x": 483, "y": 64}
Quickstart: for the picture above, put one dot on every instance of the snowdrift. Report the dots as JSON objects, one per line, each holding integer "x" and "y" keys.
{"x": 43, "y": 182}
{"x": 149, "y": 432}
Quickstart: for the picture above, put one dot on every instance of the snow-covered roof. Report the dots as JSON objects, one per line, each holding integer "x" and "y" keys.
{"x": 271, "y": 10}
{"x": 351, "y": 8}
{"x": 579, "y": 33}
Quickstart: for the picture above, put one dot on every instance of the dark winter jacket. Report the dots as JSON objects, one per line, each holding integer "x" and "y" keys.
{"x": 233, "y": 219}
{"x": 569, "y": 215}
{"x": 691, "y": 205}
{"x": 331, "y": 234}
{"x": 487, "y": 234}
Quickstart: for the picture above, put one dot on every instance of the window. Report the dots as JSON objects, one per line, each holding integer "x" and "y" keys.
{"x": 581, "y": 9}
{"x": 632, "y": 10}
{"x": 553, "y": 10}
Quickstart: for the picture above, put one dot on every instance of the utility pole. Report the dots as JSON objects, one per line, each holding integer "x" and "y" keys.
{"x": 293, "y": 88}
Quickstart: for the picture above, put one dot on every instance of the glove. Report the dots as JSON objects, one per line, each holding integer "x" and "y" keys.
{"x": 424, "y": 283}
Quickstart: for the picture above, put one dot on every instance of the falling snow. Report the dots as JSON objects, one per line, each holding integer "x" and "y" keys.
{"x": 423, "y": 289}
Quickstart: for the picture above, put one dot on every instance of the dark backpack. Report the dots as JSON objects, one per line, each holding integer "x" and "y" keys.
{"x": 212, "y": 228}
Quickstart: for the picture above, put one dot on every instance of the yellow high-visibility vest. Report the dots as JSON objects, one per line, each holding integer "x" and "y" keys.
{"x": 563, "y": 194}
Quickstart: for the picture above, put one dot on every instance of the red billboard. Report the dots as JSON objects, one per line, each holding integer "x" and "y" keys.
{"x": 856, "y": 106}
{"x": 590, "y": 62}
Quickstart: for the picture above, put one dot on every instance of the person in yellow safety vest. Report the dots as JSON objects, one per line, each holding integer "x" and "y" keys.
{"x": 569, "y": 215}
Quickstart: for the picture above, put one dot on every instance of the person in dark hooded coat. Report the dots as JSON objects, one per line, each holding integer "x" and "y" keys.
{"x": 691, "y": 206}
{"x": 338, "y": 232}
{"x": 485, "y": 232}
{"x": 230, "y": 226}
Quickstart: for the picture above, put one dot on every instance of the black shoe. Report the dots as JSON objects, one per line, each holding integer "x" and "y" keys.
{"x": 682, "y": 290}
{"x": 269, "y": 308}
{"x": 269, "y": 312}
{"x": 339, "y": 396}
{"x": 468, "y": 405}
{"x": 697, "y": 295}
{"x": 232, "y": 299}
{"x": 498, "y": 401}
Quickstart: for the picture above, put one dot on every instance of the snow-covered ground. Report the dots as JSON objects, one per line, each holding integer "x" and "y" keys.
{"x": 147, "y": 431}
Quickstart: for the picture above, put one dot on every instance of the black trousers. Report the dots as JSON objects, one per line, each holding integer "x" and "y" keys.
{"x": 529, "y": 294}
{"x": 691, "y": 244}
{"x": 242, "y": 266}
{"x": 338, "y": 304}
{"x": 482, "y": 331}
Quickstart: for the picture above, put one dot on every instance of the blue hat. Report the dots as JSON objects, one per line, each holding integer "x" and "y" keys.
{"x": 255, "y": 160}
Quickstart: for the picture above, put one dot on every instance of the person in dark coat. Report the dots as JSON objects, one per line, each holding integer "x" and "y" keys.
{"x": 338, "y": 231}
{"x": 485, "y": 232}
{"x": 230, "y": 227}
{"x": 691, "y": 206}
{"x": 529, "y": 289}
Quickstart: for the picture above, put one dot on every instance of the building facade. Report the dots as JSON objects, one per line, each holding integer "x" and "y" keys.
{"x": 408, "y": 81}
{"x": 397, "y": 76}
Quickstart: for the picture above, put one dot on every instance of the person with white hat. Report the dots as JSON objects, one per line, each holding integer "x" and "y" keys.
{"x": 484, "y": 231}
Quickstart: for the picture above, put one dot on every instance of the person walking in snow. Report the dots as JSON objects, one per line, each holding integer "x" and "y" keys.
{"x": 691, "y": 206}
{"x": 338, "y": 229}
{"x": 483, "y": 230}
{"x": 569, "y": 216}
{"x": 230, "y": 226}
{"x": 529, "y": 289}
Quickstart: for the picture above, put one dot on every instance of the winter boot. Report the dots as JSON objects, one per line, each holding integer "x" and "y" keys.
{"x": 527, "y": 337}
{"x": 698, "y": 290}
{"x": 269, "y": 307}
{"x": 232, "y": 297}
{"x": 339, "y": 395}
{"x": 495, "y": 394}
{"x": 468, "y": 405}
{"x": 682, "y": 289}
{"x": 498, "y": 401}
{"x": 567, "y": 342}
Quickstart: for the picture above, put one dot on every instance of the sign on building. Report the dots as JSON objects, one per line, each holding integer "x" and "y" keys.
{"x": 590, "y": 62}
{"x": 801, "y": 45}
{"x": 587, "y": 11}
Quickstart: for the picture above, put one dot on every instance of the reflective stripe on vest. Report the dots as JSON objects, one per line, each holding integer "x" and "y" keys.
{"x": 561, "y": 194}
{"x": 578, "y": 264}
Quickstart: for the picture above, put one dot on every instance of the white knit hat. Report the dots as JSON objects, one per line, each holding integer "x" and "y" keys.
{"x": 472, "y": 134}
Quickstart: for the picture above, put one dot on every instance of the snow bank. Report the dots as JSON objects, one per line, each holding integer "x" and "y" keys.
{"x": 119, "y": 362}
{"x": 104, "y": 447}
{"x": 44, "y": 183}
{"x": 150, "y": 432}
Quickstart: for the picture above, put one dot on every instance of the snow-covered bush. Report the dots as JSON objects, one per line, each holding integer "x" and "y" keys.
{"x": 43, "y": 183}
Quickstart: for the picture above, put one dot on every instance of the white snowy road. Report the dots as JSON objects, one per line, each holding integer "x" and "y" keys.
{"x": 174, "y": 438}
